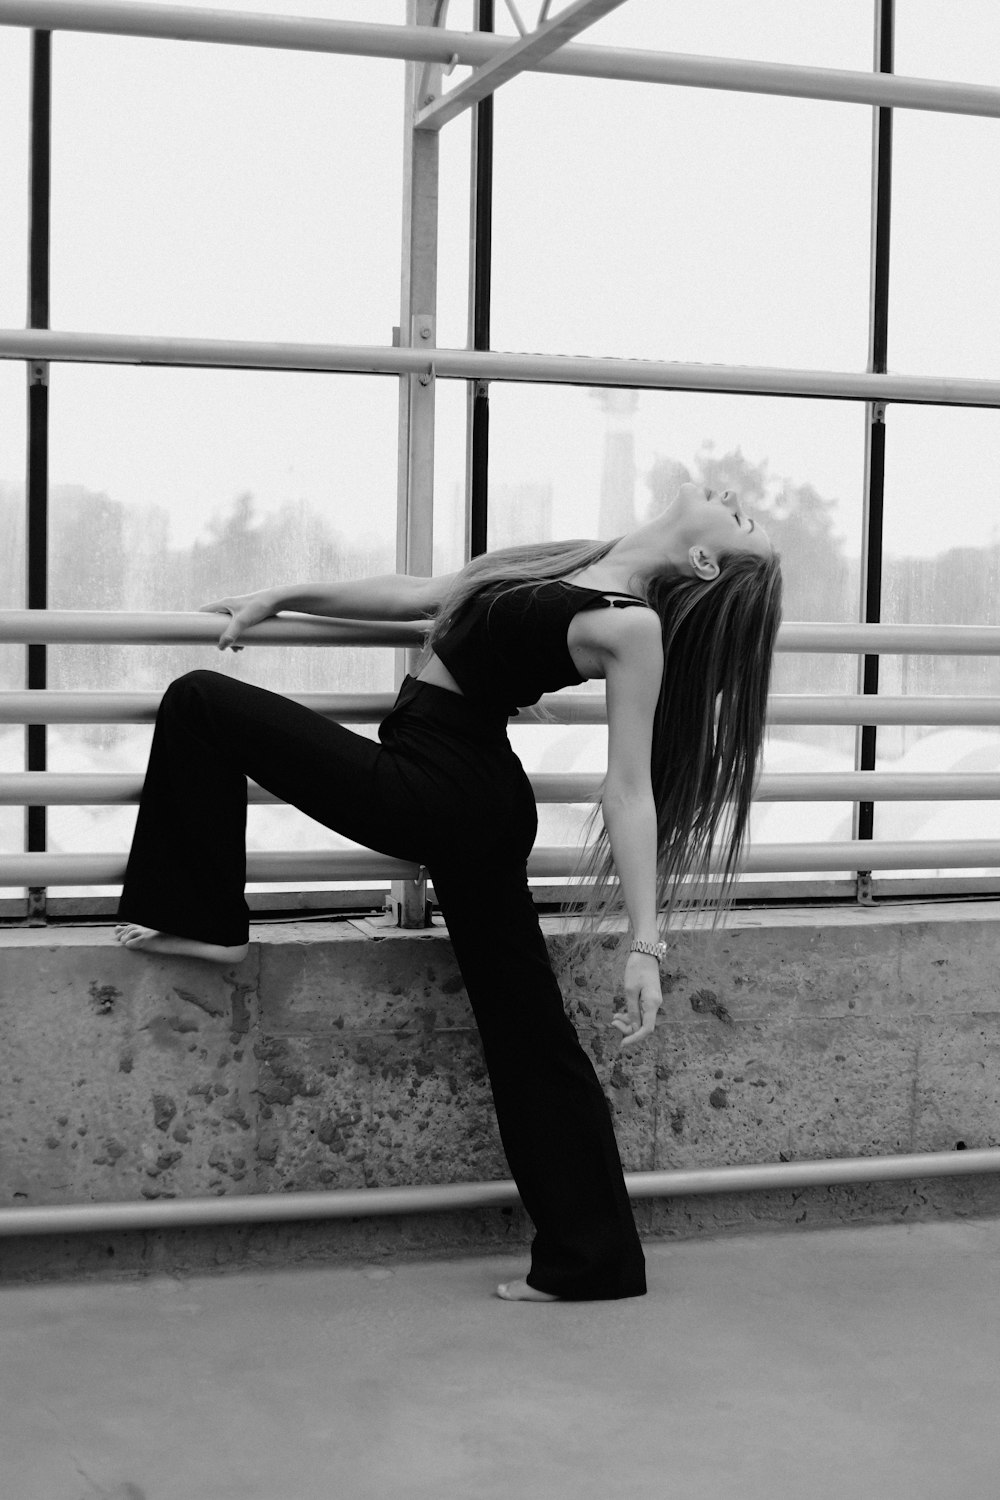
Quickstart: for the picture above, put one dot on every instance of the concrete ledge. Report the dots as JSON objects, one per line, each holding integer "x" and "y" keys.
{"x": 344, "y": 1055}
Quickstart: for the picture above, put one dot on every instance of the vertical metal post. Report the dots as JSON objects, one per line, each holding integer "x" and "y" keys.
{"x": 871, "y": 583}
{"x": 480, "y": 273}
{"x": 36, "y": 580}
{"x": 417, "y": 326}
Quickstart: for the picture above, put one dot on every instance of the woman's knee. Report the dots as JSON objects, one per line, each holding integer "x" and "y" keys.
{"x": 190, "y": 691}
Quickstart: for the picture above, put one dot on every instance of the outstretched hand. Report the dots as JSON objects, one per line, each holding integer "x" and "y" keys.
{"x": 244, "y": 610}
{"x": 643, "y": 999}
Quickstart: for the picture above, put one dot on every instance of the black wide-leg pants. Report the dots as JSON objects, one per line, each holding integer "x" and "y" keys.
{"x": 442, "y": 788}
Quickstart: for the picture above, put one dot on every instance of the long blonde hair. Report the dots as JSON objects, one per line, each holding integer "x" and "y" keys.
{"x": 539, "y": 562}
{"x": 708, "y": 732}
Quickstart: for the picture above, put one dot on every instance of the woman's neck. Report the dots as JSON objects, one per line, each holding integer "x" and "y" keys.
{"x": 613, "y": 573}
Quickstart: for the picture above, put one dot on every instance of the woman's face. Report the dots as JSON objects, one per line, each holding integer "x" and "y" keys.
{"x": 715, "y": 521}
{"x": 694, "y": 534}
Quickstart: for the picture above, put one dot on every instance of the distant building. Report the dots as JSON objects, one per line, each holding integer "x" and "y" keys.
{"x": 616, "y": 512}
{"x": 520, "y": 513}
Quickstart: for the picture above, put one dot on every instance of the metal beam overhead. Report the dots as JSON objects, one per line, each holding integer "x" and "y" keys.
{"x": 473, "y": 364}
{"x": 469, "y": 49}
{"x": 517, "y": 58}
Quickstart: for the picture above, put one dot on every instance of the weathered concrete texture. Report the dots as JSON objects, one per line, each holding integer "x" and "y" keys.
{"x": 121, "y": 1080}
{"x": 344, "y": 1055}
{"x": 751, "y": 1092}
{"x": 371, "y": 1069}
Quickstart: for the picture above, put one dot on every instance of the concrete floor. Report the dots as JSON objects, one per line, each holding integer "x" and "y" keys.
{"x": 862, "y": 1364}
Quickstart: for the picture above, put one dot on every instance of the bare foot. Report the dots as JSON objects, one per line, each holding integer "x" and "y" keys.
{"x": 149, "y": 940}
{"x": 520, "y": 1291}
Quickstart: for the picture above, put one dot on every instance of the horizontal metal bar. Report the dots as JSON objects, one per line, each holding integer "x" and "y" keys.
{"x": 811, "y": 786}
{"x": 94, "y": 626}
{"x": 339, "y": 903}
{"x": 98, "y": 789}
{"x": 260, "y": 1208}
{"x": 877, "y": 786}
{"x": 89, "y": 627}
{"x": 892, "y": 640}
{"x": 854, "y": 708}
{"x": 310, "y": 904}
{"x": 433, "y": 44}
{"x": 55, "y": 707}
{"x": 805, "y": 708}
{"x": 52, "y": 707}
{"x": 284, "y": 866}
{"x": 932, "y": 889}
{"x": 279, "y": 867}
{"x": 855, "y": 854}
{"x": 480, "y": 364}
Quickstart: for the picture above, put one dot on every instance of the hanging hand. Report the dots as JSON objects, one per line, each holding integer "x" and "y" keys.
{"x": 643, "y": 998}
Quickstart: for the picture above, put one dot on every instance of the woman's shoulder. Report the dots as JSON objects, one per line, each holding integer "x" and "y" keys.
{"x": 633, "y": 635}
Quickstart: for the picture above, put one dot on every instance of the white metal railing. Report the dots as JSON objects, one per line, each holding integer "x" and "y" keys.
{"x": 293, "y": 867}
{"x": 59, "y": 707}
{"x": 89, "y": 627}
{"x": 80, "y": 789}
{"x": 116, "y": 789}
{"x": 42, "y": 345}
{"x": 437, "y": 45}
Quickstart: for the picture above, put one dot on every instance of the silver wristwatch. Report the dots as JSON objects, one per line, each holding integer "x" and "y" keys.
{"x": 655, "y": 950}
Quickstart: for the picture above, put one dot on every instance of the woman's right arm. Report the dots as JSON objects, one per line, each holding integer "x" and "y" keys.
{"x": 392, "y": 596}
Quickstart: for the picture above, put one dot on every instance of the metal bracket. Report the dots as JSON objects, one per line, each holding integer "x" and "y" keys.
{"x": 865, "y": 896}
{"x": 422, "y": 332}
{"x": 37, "y": 912}
{"x": 878, "y": 411}
{"x": 38, "y": 372}
{"x": 421, "y": 329}
{"x": 407, "y": 902}
{"x": 528, "y": 52}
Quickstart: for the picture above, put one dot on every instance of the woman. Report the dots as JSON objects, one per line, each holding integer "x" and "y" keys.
{"x": 679, "y": 618}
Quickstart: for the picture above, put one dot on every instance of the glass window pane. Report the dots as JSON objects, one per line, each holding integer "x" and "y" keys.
{"x": 180, "y": 487}
{"x": 573, "y": 462}
{"x": 944, "y": 282}
{"x": 224, "y": 191}
{"x": 189, "y": 484}
{"x": 941, "y": 566}
{"x": 933, "y": 41}
{"x": 454, "y": 233}
{"x": 680, "y": 224}
{"x": 13, "y": 438}
{"x": 946, "y": 219}
{"x": 15, "y": 77}
{"x": 177, "y": 487}
{"x": 13, "y": 445}
{"x": 450, "y": 402}
{"x": 116, "y": 749}
{"x": 769, "y": 30}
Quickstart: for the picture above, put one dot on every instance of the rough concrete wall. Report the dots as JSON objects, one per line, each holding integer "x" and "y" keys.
{"x": 344, "y": 1055}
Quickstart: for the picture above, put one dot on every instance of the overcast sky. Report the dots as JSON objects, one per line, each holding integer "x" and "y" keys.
{"x": 245, "y": 193}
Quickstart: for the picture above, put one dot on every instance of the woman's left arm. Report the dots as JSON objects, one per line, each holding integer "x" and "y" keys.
{"x": 633, "y": 674}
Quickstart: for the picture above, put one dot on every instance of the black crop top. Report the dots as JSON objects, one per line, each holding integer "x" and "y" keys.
{"x": 508, "y": 645}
